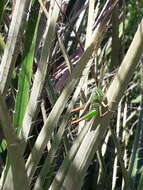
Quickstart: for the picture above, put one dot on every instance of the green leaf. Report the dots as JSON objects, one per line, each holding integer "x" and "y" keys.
{"x": 26, "y": 68}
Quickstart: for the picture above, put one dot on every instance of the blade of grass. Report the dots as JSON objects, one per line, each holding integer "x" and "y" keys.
{"x": 26, "y": 66}
{"x": 65, "y": 55}
{"x": 90, "y": 22}
{"x": 50, "y": 91}
{"x": 14, "y": 38}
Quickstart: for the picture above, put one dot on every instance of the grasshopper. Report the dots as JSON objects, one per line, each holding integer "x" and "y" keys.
{"x": 99, "y": 105}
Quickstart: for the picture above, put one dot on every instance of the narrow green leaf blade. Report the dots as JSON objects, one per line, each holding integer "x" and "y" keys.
{"x": 26, "y": 70}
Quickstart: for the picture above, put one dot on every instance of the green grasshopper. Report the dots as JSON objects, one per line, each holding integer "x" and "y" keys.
{"x": 98, "y": 105}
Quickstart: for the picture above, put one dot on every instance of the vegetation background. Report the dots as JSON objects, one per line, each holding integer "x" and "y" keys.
{"x": 55, "y": 55}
